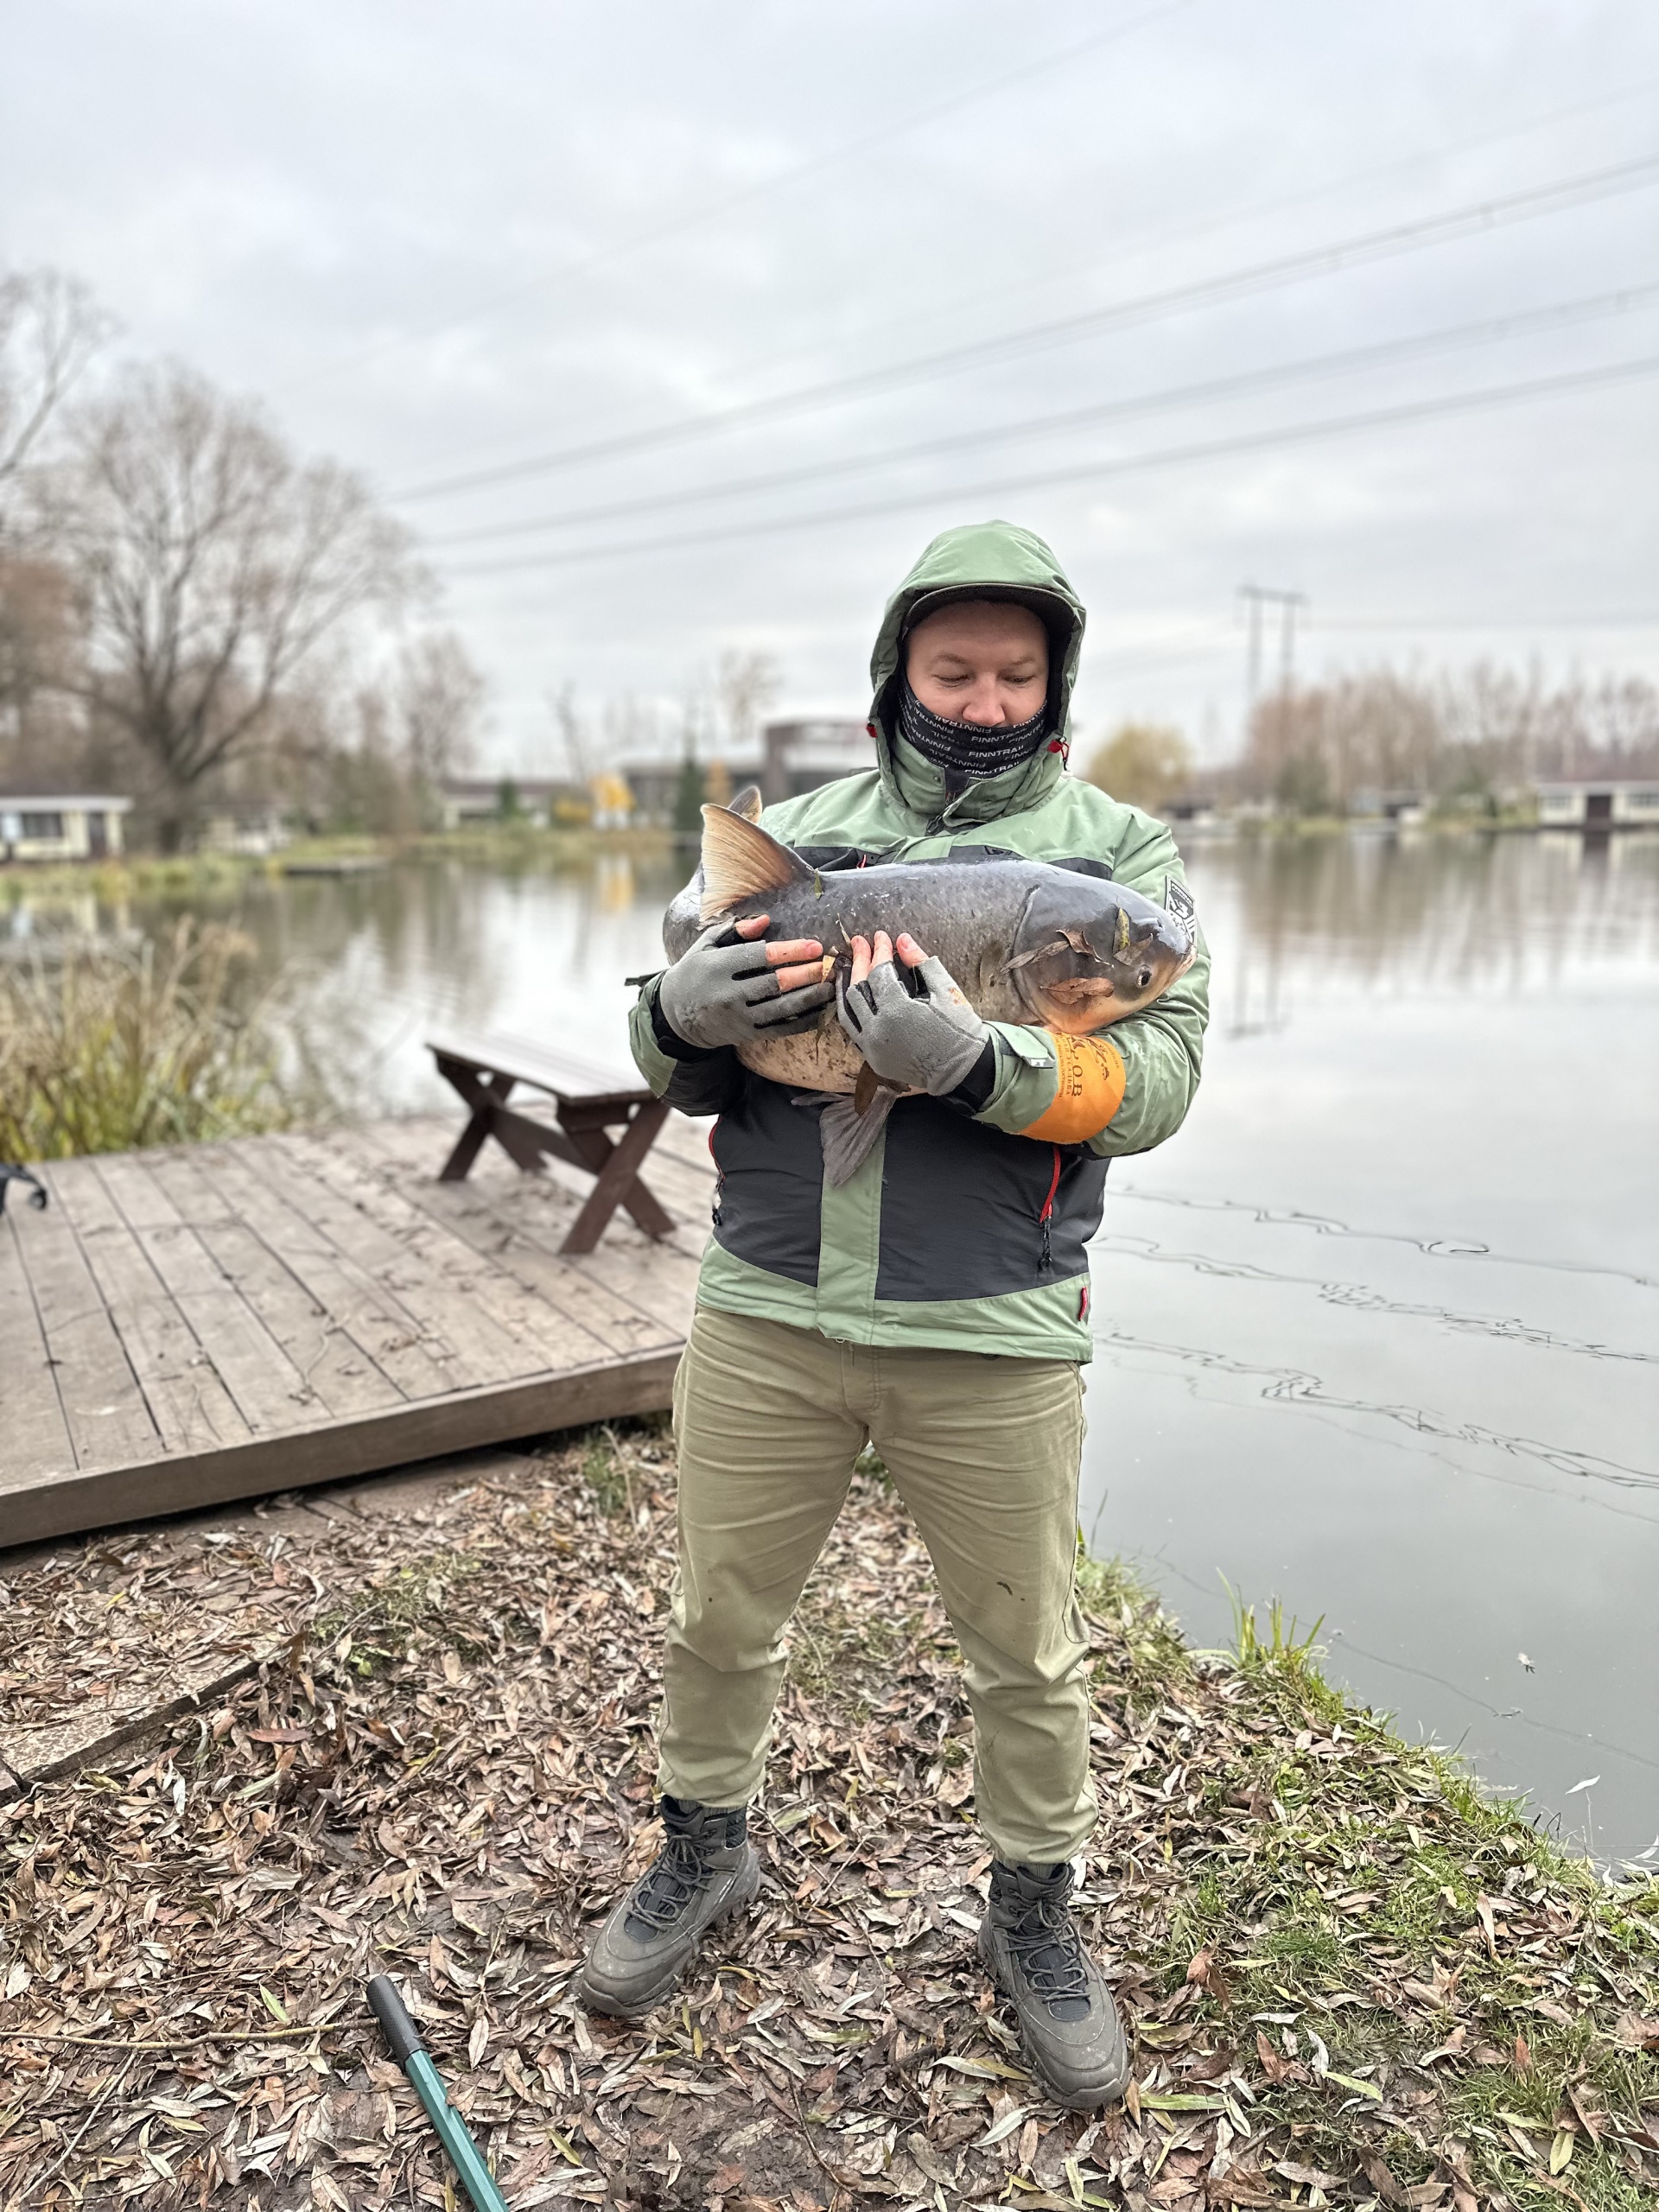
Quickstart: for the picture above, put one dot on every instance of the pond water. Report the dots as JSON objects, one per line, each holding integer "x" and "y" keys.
{"x": 1377, "y": 1334}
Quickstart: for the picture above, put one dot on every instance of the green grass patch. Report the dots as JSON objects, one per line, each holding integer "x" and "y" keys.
{"x": 1417, "y": 1986}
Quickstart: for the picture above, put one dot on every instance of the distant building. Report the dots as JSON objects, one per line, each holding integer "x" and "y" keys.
{"x": 252, "y": 827}
{"x": 1600, "y": 802}
{"x": 795, "y": 757}
{"x": 51, "y": 826}
{"x": 798, "y": 757}
{"x": 1407, "y": 807}
{"x": 1194, "y": 809}
{"x": 471, "y": 801}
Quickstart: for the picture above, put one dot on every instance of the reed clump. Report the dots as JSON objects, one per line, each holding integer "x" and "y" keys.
{"x": 107, "y": 1048}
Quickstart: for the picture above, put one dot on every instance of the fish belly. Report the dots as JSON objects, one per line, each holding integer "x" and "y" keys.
{"x": 822, "y": 1059}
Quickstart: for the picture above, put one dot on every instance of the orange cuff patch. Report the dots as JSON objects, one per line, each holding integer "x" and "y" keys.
{"x": 1091, "y": 1090}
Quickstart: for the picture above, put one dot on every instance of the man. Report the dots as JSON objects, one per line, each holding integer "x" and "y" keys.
{"x": 935, "y": 1305}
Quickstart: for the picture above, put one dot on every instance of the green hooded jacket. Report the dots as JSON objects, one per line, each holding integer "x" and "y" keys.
{"x": 933, "y": 1242}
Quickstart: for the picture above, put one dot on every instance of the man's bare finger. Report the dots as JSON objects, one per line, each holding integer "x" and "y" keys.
{"x": 909, "y": 951}
{"x": 792, "y": 979}
{"x": 754, "y": 925}
{"x": 882, "y": 955}
{"x": 860, "y": 960}
{"x": 789, "y": 953}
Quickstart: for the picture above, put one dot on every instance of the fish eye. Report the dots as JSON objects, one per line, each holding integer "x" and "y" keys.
{"x": 1146, "y": 977}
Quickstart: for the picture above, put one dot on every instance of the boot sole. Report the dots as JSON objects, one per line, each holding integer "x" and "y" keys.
{"x": 742, "y": 1895}
{"x": 1078, "y": 2099}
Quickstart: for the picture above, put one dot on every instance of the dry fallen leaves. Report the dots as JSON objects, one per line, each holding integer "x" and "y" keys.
{"x": 445, "y": 1773}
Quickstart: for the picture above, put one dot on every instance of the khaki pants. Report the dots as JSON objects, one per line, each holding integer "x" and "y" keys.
{"x": 984, "y": 1451}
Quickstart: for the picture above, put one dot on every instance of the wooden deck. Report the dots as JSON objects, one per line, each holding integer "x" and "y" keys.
{"x": 183, "y": 1328}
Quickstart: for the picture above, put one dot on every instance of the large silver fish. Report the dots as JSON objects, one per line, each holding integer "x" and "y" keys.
{"x": 1026, "y": 943}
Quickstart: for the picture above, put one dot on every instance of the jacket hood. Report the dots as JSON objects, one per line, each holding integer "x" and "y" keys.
{"x": 999, "y": 560}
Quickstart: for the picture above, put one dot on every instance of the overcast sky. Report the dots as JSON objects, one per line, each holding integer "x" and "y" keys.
{"x": 444, "y": 241}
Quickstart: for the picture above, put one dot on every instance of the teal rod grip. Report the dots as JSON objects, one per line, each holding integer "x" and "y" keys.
{"x": 402, "y": 2035}
{"x": 475, "y": 2177}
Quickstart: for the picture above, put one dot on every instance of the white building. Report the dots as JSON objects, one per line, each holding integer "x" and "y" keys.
{"x": 1600, "y": 802}
{"x": 50, "y": 826}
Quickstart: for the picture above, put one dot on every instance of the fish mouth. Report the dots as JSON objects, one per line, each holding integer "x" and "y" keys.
{"x": 1078, "y": 1005}
{"x": 1068, "y": 985}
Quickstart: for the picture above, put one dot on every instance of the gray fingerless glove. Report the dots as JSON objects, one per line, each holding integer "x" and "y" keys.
{"x": 922, "y": 1044}
{"x": 719, "y": 993}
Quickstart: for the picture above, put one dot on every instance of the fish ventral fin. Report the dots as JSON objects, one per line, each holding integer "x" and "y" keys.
{"x": 742, "y": 861}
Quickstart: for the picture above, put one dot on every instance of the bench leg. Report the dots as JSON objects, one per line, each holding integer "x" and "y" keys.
{"x": 481, "y": 1095}
{"x": 618, "y": 1183}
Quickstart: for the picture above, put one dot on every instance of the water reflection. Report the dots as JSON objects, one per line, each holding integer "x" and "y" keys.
{"x": 1376, "y": 1333}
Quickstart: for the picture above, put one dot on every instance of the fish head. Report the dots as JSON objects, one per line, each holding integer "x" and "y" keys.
{"x": 1089, "y": 951}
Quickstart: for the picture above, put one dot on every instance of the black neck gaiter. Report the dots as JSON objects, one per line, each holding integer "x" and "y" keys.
{"x": 966, "y": 751}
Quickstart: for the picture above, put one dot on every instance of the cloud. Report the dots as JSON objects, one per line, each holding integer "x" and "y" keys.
{"x": 437, "y": 240}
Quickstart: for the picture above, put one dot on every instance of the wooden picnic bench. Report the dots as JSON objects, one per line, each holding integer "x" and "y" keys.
{"x": 587, "y": 1101}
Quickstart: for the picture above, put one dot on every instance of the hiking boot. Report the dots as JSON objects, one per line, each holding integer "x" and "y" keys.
{"x": 1031, "y": 1950}
{"x": 705, "y": 1872}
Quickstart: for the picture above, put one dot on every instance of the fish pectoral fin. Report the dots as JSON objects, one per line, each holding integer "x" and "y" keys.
{"x": 748, "y": 802}
{"x": 742, "y": 861}
{"x": 849, "y": 1137}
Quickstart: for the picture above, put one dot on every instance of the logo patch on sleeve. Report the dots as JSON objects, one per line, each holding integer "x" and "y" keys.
{"x": 1179, "y": 901}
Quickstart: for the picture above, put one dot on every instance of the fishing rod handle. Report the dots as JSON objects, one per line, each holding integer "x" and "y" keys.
{"x": 389, "y": 2010}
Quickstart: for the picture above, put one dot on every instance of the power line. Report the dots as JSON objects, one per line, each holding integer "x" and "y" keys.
{"x": 675, "y": 225}
{"x": 1564, "y": 315}
{"x": 1212, "y": 449}
{"x": 1161, "y": 240}
{"x": 1364, "y": 247}
{"x": 1214, "y": 639}
{"x": 1646, "y": 621}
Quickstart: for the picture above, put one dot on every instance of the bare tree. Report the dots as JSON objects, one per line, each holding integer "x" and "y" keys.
{"x": 50, "y": 328}
{"x": 1470, "y": 736}
{"x": 212, "y": 567}
{"x": 439, "y": 696}
{"x": 746, "y": 684}
{"x": 572, "y": 733}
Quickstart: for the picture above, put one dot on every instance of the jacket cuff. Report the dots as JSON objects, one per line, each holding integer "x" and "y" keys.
{"x": 1024, "y": 1079}
{"x": 972, "y": 1095}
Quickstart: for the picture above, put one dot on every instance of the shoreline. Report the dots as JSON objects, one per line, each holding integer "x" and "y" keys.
{"x": 349, "y": 856}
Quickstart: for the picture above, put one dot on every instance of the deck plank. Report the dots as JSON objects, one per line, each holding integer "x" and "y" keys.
{"x": 201, "y": 1324}
{"x": 106, "y": 1411}
{"x": 520, "y": 1221}
{"x": 92, "y": 1497}
{"x": 343, "y": 1375}
{"x": 267, "y": 1390}
{"x": 36, "y": 1435}
{"x": 191, "y": 1406}
{"x": 434, "y": 1276}
{"x": 279, "y": 1212}
{"x": 546, "y": 1332}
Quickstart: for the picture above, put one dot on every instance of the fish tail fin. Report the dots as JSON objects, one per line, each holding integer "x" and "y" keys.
{"x": 742, "y": 861}
{"x": 849, "y": 1137}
